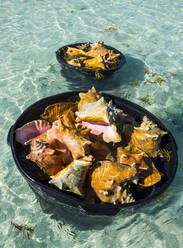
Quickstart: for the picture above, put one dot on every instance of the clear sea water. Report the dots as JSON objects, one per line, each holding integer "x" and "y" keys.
{"x": 150, "y": 35}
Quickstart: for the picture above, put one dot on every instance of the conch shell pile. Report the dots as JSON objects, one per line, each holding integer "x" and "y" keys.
{"x": 93, "y": 56}
{"x": 86, "y": 147}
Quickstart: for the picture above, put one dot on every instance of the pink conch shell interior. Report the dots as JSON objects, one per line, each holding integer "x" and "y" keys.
{"x": 31, "y": 130}
{"x": 108, "y": 131}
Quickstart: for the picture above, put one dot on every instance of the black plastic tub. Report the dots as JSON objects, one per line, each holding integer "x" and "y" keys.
{"x": 38, "y": 181}
{"x": 98, "y": 74}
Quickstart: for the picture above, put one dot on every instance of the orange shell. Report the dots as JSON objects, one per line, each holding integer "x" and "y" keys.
{"x": 99, "y": 150}
{"x": 74, "y": 140}
{"x": 145, "y": 164}
{"x": 88, "y": 97}
{"x": 153, "y": 178}
{"x": 50, "y": 164}
{"x": 53, "y": 163}
{"x": 68, "y": 118}
{"x": 94, "y": 111}
{"x": 52, "y": 112}
{"x": 74, "y": 53}
{"x": 128, "y": 158}
{"x": 108, "y": 176}
{"x": 94, "y": 63}
{"x": 147, "y": 137}
{"x": 97, "y": 49}
{"x": 76, "y": 61}
{"x": 49, "y": 157}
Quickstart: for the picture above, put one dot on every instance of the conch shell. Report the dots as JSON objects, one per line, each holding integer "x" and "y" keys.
{"x": 129, "y": 158}
{"x": 76, "y": 61}
{"x": 150, "y": 177}
{"x": 68, "y": 119}
{"x": 107, "y": 178}
{"x": 93, "y": 108}
{"x": 95, "y": 63}
{"x": 147, "y": 137}
{"x": 50, "y": 158}
{"x": 108, "y": 131}
{"x": 94, "y": 112}
{"x": 31, "y": 130}
{"x": 100, "y": 150}
{"x": 74, "y": 53}
{"x": 52, "y": 112}
{"x": 74, "y": 140}
{"x": 148, "y": 174}
{"x": 72, "y": 177}
{"x": 96, "y": 49}
{"x": 88, "y": 97}
{"x": 97, "y": 115}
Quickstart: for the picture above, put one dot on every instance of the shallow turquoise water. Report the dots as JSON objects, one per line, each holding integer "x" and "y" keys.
{"x": 150, "y": 34}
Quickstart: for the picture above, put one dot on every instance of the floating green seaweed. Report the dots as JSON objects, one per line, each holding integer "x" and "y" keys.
{"x": 127, "y": 45}
{"x": 110, "y": 29}
{"x": 136, "y": 83}
{"x": 99, "y": 75}
{"x": 83, "y": 8}
{"x": 180, "y": 164}
{"x": 146, "y": 70}
{"x": 158, "y": 80}
{"x": 26, "y": 231}
{"x": 166, "y": 153}
{"x": 146, "y": 100}
{"x": 152, "y": 74}
{"x": 162, "y": 197}
{"x": 11, "y": 51}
